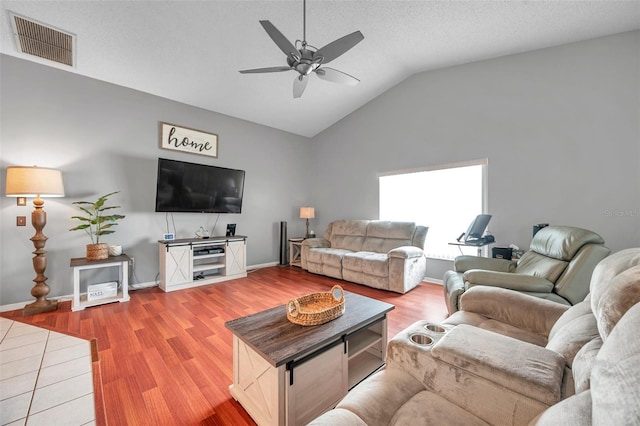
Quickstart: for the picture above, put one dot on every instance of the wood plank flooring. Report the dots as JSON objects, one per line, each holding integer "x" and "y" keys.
{"x": 166, "y": 358}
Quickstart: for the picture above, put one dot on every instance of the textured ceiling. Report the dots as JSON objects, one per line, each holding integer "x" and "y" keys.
{"x": 191, "y": 51}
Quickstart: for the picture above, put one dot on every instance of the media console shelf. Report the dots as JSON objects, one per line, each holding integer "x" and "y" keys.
{"x": 193, "y": 262}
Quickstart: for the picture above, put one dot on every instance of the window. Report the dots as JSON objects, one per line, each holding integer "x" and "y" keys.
{"x": 445, "y": 198}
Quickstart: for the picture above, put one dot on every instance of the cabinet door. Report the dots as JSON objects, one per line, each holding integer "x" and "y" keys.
{"x": 235, "y": 258}
{"x": 177, "y": 265}
{"x": 318, "y": 385}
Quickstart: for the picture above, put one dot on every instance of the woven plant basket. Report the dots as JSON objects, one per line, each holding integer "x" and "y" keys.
{"x": 97, "y": 251}
{"x": 316, "y": 308}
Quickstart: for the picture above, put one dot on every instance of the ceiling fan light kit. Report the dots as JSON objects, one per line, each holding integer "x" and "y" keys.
{"x": 307, "y": 59}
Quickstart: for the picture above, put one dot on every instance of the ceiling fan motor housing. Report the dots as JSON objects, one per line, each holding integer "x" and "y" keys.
{"x": 305, "y": 63}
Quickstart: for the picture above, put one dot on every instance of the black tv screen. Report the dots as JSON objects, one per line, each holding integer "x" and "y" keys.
{"x": 198, "y": 188}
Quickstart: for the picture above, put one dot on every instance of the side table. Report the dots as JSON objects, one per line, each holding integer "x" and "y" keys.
{"x": 79, "y": 264}
{"x": 478, "y": 244}
{"x": 295, "y": 252}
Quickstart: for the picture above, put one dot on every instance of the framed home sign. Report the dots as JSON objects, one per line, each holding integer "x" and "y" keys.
{"x": 184, "y": 139}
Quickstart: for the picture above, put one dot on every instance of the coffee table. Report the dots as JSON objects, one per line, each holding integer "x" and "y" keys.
{"x": 288, "y": 374}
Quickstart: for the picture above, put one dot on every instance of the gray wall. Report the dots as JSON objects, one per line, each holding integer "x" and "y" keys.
{"x": 105, "y": 138}
{"x": 560, "y": 127}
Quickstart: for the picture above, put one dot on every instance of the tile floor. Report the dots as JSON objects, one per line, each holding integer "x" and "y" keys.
{"x": 45, "y": 377}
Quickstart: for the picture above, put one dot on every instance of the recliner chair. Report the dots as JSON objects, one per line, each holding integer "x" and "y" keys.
{"x": 557, "y": 267}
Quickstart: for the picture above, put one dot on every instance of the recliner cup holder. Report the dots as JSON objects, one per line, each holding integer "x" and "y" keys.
{"x": 421, "y": 339}
{"x": 435, "y": 328}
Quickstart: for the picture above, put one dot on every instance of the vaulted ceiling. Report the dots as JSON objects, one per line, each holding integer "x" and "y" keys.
{"x": 191, "y": 51}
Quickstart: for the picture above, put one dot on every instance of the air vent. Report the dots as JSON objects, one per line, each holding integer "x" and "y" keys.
{"x": 37, "y": 39}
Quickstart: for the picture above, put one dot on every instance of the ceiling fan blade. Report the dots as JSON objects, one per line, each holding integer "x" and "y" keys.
{"x": 335, "y": 76}
{"x": 299, "y": 84}
{"x": 279, "y": 39}
{"x": 269, "y": 69}
{"x": 336, "y": 48}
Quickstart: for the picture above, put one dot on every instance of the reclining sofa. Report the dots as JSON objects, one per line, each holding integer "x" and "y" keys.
{"x": 380, "y": 254}
{"x": 479, "y": 367}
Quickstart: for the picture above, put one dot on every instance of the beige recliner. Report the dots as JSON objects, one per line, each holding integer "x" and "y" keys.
{"x": 557, "y": 267}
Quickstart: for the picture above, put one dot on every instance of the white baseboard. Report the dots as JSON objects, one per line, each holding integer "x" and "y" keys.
{"x": 261, "y": 265}
{"x": 20, "y": 305}
{"x": 432, "y": 280}
{"x": 140, "y": 286}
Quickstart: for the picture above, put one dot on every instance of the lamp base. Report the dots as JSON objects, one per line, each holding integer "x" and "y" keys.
{"x": 40, "y": 307}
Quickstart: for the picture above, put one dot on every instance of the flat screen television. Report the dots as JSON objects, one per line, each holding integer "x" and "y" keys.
{"x": 197, "y": 188}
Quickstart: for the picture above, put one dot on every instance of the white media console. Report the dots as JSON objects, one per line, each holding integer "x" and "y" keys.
{"x": 193, "y": 262}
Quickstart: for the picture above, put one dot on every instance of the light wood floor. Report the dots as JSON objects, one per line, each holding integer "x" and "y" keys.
{"x": 166, "y": 358}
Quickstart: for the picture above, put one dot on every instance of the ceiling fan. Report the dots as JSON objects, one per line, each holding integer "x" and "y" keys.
{"x": 306, "y": 58}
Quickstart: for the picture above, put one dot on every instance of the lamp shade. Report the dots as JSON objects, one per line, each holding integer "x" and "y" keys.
{"x": 307, "y": 213}
{"x": 33, "y": 182}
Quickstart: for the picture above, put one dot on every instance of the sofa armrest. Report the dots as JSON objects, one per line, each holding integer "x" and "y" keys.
{"x": 529, "y": 370}
{"x": 518, "y": 282}
{"x": 513, "y": 308}
{"x": 406, "y": 252}
{"x": 316, "y": 242}
{"x": 464, "y": 263}
{"x": 496, "y": 378}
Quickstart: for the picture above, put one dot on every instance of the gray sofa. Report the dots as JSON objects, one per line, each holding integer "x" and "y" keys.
{"x": 380, "y": 254}
{"x": 483, "y": 369}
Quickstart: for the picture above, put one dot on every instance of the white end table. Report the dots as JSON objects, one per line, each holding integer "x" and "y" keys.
{"x": 79, "y": 264}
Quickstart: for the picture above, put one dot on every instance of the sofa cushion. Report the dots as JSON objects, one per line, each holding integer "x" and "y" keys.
{"x": 429, "y": 409}
{"x": 338, "y": 416}
{"x": 616, "y": 374}
{"x": 505, "y": 306}
{"x": 562, "y": 242}
{"x": 574, "y": 411}
{"x": 583, "y": 364}
{"x": 614, "y": 290}
{"x": 383, "y": 236}
{"x": 367, "y": 262}
{"x": 573, "y": 336}
{"x": 582, "y": 308}
{"x": 328, "y": 256}
{"x": 541, "y": 266}
{"x": 376, "y": 399}
{"x": 348, "y": 234}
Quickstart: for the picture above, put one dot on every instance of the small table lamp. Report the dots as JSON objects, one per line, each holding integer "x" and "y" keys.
{"x": 36, "y": 182}
{"x": 307, "y": 213}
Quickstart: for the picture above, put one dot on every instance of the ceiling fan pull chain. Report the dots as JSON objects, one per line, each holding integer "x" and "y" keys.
{"x": 304, "y": 23}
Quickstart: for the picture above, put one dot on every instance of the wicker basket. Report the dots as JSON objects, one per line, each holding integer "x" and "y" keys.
{"x": 316, "y": 308}
{"x": 97, "y": 251}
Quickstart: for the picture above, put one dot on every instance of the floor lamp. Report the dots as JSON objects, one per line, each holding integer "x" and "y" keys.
{"x": 307, "y": 213}
{"x": 36, "y": 182}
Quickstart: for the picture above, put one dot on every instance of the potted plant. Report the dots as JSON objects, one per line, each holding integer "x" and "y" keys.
{"x": 96, "y": 223}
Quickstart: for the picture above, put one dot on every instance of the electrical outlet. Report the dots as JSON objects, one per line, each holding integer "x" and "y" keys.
{"x": 21, "y": 221}
{"x": 132, "y": 262}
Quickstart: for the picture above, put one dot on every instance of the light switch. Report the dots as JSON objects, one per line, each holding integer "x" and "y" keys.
{"x": 21, "y": 221}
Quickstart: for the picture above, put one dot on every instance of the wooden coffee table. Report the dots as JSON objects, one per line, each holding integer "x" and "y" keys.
{"x": 288, "y": 374}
